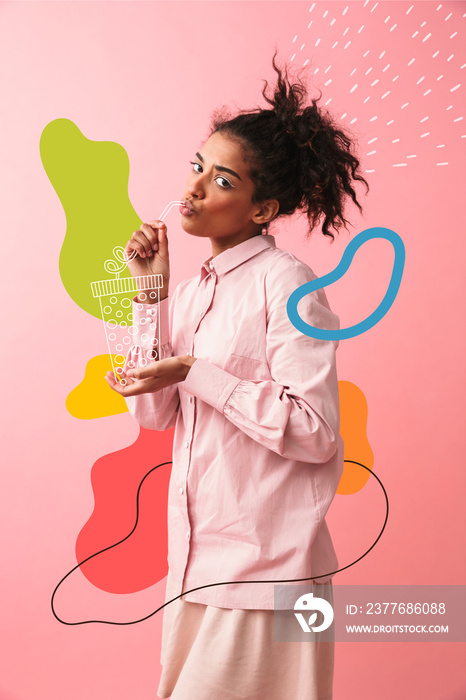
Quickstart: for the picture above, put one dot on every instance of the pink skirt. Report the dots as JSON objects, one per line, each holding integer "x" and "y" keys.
{"x": 211, "y": 653}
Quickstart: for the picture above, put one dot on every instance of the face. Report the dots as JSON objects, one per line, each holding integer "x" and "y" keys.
{"x": 220, "y": 192}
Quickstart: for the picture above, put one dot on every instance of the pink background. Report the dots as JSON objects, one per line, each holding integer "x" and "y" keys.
{"x": 147, "y": 75}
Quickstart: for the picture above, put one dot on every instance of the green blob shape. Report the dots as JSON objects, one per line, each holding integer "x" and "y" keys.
{"x": 91, "y": 181}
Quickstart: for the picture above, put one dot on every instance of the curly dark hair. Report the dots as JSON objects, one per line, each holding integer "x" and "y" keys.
{"x": 296, "y": 154}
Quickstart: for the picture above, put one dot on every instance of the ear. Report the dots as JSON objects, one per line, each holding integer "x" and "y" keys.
{"x": 266, "y": 211}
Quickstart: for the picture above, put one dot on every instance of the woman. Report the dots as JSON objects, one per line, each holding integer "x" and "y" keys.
{"x": 257, "y": 453}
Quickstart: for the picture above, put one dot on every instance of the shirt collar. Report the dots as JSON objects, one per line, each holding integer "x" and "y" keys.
{"x": 232, "y": 257}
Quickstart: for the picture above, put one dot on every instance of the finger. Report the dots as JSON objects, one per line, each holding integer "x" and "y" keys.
{"x": 134, "y": 244}
{"x": 162, "y": 237}
{"x": 146, "y": 236}
{"x": 119, "y": 382}
{"x": 110, "y": 377}
{"x": 140, "y": 243}
{"x": 150, "y": 371}
{"x": 151, "y": 232}
{"x": 113, "y": 383}
{"x": 136, "y": 388}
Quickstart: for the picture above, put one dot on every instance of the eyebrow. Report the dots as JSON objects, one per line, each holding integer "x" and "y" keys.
{"x": 220, "y": 167}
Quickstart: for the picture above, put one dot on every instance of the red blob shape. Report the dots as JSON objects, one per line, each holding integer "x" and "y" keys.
{"x": 141, "y": 560}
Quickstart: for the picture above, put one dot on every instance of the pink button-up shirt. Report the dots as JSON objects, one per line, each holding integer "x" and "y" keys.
{"x": 257, "y": 454}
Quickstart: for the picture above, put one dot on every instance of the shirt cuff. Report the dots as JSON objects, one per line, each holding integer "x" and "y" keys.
{"x": 210, "y": 383}
{"x": 164, "y": 321}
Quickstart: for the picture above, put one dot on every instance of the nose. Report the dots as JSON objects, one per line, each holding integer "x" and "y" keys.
{"x": 196, "y": 187}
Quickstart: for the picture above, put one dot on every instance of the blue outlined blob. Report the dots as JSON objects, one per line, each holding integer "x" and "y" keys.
{"x": 339, "y": 271}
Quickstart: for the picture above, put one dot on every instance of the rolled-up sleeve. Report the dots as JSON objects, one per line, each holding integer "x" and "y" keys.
{"x": 296, "y": 412}
{"x": 155, "y": 410}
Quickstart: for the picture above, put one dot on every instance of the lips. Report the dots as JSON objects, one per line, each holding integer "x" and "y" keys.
{"x": 187, "y": 208}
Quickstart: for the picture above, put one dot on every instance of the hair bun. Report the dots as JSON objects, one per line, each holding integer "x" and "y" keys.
{"x": 296, "y": 154}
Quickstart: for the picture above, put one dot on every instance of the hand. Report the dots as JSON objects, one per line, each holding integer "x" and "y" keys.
{"x": 151, "y": 244}
{"x": 157, "y": 375}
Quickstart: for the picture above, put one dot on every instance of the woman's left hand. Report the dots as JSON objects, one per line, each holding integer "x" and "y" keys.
{"x": 157, "y": 375}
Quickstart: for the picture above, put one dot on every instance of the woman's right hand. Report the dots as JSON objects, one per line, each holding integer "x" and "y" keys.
{"x": 151, "y": 245}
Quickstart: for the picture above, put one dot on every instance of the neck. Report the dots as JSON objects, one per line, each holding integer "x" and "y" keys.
{"x": 220, "y": 246}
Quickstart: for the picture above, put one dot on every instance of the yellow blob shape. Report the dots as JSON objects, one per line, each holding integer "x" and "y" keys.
{"x": 93, "y": 398}
{"x": 353, "y": 429}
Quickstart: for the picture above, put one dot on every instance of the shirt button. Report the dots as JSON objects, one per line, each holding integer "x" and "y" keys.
{"x": 187, "y": 535}
{"x": 191, "y": 399}
{"x": 186, "y": 444}
{"x": 211, "y": 265}
{"x": 181, "y": 490}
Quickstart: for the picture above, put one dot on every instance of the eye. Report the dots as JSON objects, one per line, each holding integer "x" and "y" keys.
{"x": 227, "y": 184}
{"x": 194, "y": 168}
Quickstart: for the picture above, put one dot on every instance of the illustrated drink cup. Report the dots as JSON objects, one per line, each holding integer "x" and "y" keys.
{"x": 115, "y": 297}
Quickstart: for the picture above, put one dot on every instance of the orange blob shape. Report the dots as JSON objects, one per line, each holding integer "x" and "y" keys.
{"x": 353, "y": 429}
